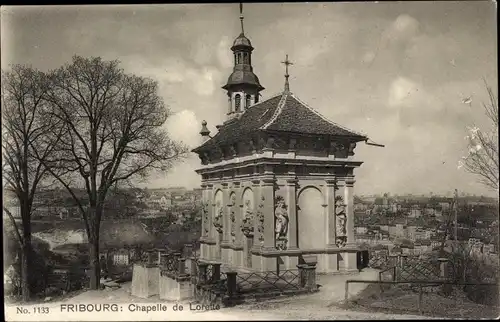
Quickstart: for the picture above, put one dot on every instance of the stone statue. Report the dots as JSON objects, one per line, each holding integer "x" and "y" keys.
{"x": 219, "y": 212}
{"x": 341, "y": 220}
{"x": 204, "y": 213}
{"x": 260, "y": 218}
{"x": 247, "y": 222}
{"x": 232, "y": 216}
{"x": 281, "y": 218}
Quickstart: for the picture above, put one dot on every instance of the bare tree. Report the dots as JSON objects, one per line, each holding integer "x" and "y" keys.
{"x": 114, "y": 133}
{"x": 482, "y": 159}
{"x": 29, "y": 136}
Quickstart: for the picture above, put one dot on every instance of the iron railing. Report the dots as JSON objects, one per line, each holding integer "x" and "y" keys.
{"x": 259, "y": 282}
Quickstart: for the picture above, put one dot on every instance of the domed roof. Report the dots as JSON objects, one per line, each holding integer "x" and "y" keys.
{"x": 242, "y": 40}
{"x": 243, "y": 77}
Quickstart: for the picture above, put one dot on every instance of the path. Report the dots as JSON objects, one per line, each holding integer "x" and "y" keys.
{"x": 311, "y": 307}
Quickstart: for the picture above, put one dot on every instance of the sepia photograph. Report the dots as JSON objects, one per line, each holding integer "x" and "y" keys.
{"x": 250, "y": 161}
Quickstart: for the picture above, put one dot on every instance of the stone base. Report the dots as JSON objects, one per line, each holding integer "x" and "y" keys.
{"x": 175, "y": 289}
{"x": 145, "y": 281}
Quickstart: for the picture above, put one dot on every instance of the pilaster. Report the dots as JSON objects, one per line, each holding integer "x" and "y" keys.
{"x": 256, "y": 208}
{"x": 267, "y": 190}
{"x": 349, "y": 201}
{"x": 330, "y": 197}
{"x": 226, "y": 234}
{"x": 291, "y": 188}
{"x": 238, "y": 214}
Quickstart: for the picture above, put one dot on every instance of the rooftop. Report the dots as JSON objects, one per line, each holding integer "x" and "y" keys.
{"x": 280, "y": 113}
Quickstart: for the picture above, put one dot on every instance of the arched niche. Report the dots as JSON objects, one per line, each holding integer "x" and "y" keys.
{"x": 311, "y": 224}
{"x": 233, "y": 212}
{"x": 247, "y": 199}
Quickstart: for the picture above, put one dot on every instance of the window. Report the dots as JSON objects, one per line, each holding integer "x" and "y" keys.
{"x": 245, "y": 58}
{"x": 237, "y": 102}
{"x": 247, "y": 101}
{"x": 256, "y": 98}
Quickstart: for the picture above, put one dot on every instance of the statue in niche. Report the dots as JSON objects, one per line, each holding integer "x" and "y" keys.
{"x": 204, "y": 213}
{"x": 247, "y": 222}
{"x": 219, "y": 212}
{"x": 341, "y": 220}
{"x": 281, "y": 218}
{"x": 232, "y": 216}
{"x": 260, "y": 218}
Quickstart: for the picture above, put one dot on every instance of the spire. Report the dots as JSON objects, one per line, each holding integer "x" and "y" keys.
{"x": 241, "y": 18}
{"x": 287, "y": 63}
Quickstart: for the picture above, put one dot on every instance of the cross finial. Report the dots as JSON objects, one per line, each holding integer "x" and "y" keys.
{"x": 241, "y": 17}
{"x": 287, "y": 63}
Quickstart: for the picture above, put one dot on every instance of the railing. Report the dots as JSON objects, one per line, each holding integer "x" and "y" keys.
{"x": 230, "y": 287}
{"x": 421, "y": 285}
{"x": 268, "y": 281}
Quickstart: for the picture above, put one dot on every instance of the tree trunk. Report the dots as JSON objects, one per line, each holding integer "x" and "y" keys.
{"x": 25, "y": 271}
{"x": 95, "y": 270}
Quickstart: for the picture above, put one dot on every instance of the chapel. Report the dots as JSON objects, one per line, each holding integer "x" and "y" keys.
{"x": 277, "y": 179}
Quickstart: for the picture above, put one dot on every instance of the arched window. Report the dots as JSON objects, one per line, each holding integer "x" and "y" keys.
{"x": 238, "y": 60}
{"x": 256, "y": 98}
{"x": 237, "y": 102}
{"x": 245, "y": 58}
{"x": 247, "y": 101}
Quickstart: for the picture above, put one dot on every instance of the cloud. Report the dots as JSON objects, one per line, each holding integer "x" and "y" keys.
{"x": 404, "y": 27}
{"x": 184, "y": 126}
{"x": 402, "y": 92}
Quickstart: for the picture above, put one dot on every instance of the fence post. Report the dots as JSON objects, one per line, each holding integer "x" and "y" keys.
{"x": 202, "y": 273}
{"x": 346, "y": 295}
{"x": 302, "y": 275}
{"x": 193, "y": 269}
{"x": 231, "y": 284}
{"x": 150, "y": 257}
{"x": 188, "y": 249}
{"x": 443, "y": 268}
{"x": 182, "y": 266}
{"x": 216, "y": 272}
{"x": 420, "y": 293}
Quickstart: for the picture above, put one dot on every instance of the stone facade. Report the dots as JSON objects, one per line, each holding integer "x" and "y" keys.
{"x": 266, "y": 210}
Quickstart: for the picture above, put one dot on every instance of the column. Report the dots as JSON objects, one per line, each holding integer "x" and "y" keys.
{"x": 349, "y": 201}
{"x": 256, "y": 203}
{"x": 331, "y": 259}
{"x": 267, "y": 190}
{"x": 238, "y": 234}
{"x": 351, "y": 256}
{"x": 291, "y": 187}
{"x": 205, "y": 203}
{"x": 226, "y": 232}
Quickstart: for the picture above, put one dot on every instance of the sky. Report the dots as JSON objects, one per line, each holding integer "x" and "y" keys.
{"x": 396, "y": 71}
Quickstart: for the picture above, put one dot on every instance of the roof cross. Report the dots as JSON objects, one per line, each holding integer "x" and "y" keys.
{"x": 287, "y": 63}
{"x": 241, "y": 17}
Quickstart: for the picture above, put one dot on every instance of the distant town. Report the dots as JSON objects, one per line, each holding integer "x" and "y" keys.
{"x": 406, "y": 224}
{"x": 416, "y": 225}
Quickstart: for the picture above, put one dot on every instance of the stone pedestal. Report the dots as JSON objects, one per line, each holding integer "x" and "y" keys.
{"x": 145, "y": 280}
{"x": 173, "y": 288}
